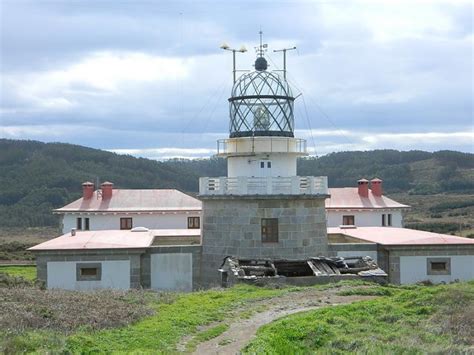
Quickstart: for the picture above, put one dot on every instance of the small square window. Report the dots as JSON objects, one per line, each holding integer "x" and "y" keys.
{"x": 262, "y": 164}
{"x": 126, "y": 223}
{"x": 438, "y": 266}
{"x": 269, "y": 230}
{"x": 269, "y": 164}
{"x": 88, "y": 271}
{"x": 348, "y": 220}
{"x": 194, "y": 222}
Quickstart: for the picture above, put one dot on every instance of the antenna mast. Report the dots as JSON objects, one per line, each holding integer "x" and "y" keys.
{"x": 284, "y": 58}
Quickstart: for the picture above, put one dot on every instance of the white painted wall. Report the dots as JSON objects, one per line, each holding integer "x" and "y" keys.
{"x": 172, "y": 272}
{"x": 414, "y": 269}
{"x": 371, "y": 253}
{"x": 107, "y": 222}
{"x": 364, "y": 218}
{"x": 62, "y": 274}
{"x": 282, "y": 165}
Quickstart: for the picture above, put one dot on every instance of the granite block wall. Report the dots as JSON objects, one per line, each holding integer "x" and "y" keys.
{"x": 232, "y": 227}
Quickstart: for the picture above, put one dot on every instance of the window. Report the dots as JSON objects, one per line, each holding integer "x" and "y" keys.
{"x": 125, "y": 223}
{"x": 348, "y": 220}
{"x": 389, "y": 220}
{"x": 88, "y": 271}
{"x": 438, "y": 266}
{"x": 269, "y": 164}
{"x": 86, "y": 224}
{"x": 262, "y": 164}
{"x": 79, "y": 223}
{"x": 269, "y": 230}
{"x": 194, "y": 222}
{"x": 383, "y": 220}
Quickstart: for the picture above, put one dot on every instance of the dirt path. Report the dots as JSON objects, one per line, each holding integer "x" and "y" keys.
{"x": 242, "y": 331}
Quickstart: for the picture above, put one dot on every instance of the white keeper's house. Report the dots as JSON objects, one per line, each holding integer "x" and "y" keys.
{"x": 108, "y": 209}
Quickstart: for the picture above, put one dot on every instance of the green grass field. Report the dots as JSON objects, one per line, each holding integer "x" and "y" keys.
{"x": 28, "y": 272}
{"x": 415, "y": 319}
{"x": 422, "y": 319}
{"x": 175, "y": 316}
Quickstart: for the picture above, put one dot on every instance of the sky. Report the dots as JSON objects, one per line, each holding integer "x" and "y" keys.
{"x": 148, "y": 78}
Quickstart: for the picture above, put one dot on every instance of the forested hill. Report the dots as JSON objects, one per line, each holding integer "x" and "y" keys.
{"x": 36, "y": 177}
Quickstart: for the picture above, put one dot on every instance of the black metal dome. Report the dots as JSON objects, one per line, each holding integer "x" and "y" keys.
{"x": 261, "y": 104}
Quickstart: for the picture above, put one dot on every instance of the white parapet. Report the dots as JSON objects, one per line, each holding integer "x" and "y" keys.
{"x": 243, "y": 185}
{"x": 255, "y": 145}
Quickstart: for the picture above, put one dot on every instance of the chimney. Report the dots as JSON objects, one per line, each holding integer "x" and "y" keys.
{"x": 106, "y": 190}
{"x": 376, "y": 186}
{"x": 73, "y": 232}
{"x": 363, "y": 187}
{"x": 87, "y": 190}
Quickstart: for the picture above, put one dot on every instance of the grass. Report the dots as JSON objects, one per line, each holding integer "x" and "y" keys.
{"x": 28, "y": 272}
{"x": 404, "y": 319}
{"x": 160, "y": 333}
{"x": 408, "y": 320}
{"x": 174, "y": 317}
{"x": 367, "y": 291}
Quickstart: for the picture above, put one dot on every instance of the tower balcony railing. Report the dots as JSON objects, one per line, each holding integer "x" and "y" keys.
{"x": 246, "y": 145}
{"x": 243, "y": 185}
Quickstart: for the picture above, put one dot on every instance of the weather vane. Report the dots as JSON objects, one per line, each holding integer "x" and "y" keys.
{"x": 262, "y": 48}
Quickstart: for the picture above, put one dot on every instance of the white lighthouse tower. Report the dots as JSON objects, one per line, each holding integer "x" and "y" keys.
{"x": 261, "y": 209}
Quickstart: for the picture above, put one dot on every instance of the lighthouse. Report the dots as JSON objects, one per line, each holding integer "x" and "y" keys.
{"x": 262, "y": 209}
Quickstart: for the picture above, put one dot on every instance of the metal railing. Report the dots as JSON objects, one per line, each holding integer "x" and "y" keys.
{"x": 242, "y": 185}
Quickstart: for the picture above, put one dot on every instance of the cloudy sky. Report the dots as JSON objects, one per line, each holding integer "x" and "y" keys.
{"x": 148, "y": 78}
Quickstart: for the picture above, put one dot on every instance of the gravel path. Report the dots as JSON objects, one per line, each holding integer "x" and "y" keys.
{"x": 242, "y": 331}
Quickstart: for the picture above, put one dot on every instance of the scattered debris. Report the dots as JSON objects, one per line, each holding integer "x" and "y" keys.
{"x": 312, "y": 270}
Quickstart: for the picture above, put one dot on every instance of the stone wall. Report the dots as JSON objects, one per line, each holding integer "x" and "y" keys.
{"x": 232, "y": 227}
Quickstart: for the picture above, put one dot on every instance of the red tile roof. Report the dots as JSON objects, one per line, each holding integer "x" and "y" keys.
{"x": 349, "y": 198}
{"x": 399, "y": 236}
{"x": 136, "y": 200}
{"x": 111, "y": 239}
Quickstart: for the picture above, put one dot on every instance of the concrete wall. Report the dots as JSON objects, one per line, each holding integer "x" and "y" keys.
{"x": 232, "y": 227}
{"x": 364, "y": 218}
{"x": 49, "y": 265}
{"x": 108, "y": 221}
{"x": 154, "y": 276}
{"x": 173, "y": 271}
{"x": 414, "y": 269}
{"x": 114, "y": 274}
{"x": 281, "y": 165}
{"x": 408, "y": 264}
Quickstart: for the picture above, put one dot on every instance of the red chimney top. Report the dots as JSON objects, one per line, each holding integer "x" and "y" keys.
{"x": 106, "y": 189}
{"x": 376, "y": 186}
{"x": 87, "y": 190}
{"x": 363, "y": 187}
